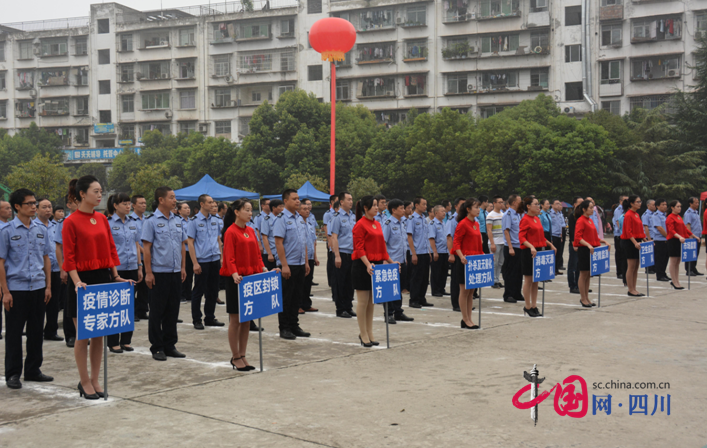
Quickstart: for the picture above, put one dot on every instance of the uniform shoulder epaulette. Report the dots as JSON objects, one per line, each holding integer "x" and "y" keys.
{"x": 387, "y": 222}
{"x": 61, "y": 220}
{"x": 280, "y": 215}
{"x": 192, "y": 218}
{"x": 336, "y": 213}
{"x": 267, "y": 217}
{"x": 150, "y": 217}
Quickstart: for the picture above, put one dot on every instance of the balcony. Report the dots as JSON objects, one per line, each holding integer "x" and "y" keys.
{"x": 254, "y": 31}
{"x": 254, "y": 63}
{"x": 655, "y": 68}
{"x": 25, "y": 109}
{"x": 654, "y": 30}
{"x": 375, "y": 20}
{"x": 376, "y": 88}
{"x": 53, "y": 78}
{"x": 153, "y": 71}
{"x": 611, "y": 88}
{"x": 415, "y": 51}
{"x": 456, "y": 11}
{"x": 53, "y": 48}
{"x": 611, "y": 12}
{"x": 223, "y": 33}
{"x": 499, "y": 9}
{"x": 458, "y": 50}
{"x": 155, "y": 41}
{"x": 375, "y": 53}
{"x": 255, "y": 95}
{"x": 25, "y": 80}
{"x": 54, "y": 108}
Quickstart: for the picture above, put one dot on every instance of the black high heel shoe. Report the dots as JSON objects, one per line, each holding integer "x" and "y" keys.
{"x": 473, "y": 327}
{"x": 82, "y": 393}
{"x": 675, "y": 287}
{"x": 376, "y": 343}
{"x": 365, "y": 344}
{"x": 235, "y": 367}
{"x": 248, "y": 366}
{"x": 530, "y": 312}
{"x": 585, "y": 306}
{"x": 537, "y": 311}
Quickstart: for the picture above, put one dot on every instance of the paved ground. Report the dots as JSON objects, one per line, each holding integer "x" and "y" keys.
{"x": 437, "y": 385}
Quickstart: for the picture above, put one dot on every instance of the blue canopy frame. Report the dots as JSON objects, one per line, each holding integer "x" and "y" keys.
{"x": 306, "y": 191}
{"x": 207, "y": 185}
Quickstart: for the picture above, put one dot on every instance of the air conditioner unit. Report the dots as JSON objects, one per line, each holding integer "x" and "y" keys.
{"x": 234, "y": 103}
{"x": 398, "y": 20}
{"x": 36, "y": 51}
{"x": 469, "y": 16}
{"x": 672, "y": 73}
{"x": 33, "y": 93}
{"x": 470, "y": 88}
{"x": 203, "y": 127}
{"x": 229, "y": 78}
{"x": 389, "y": 93}
{"x": 165, "y": 75}
{"x": 168, "y": 114}
{"x": 569, "y": 110}
{"x": 472, "y": 49}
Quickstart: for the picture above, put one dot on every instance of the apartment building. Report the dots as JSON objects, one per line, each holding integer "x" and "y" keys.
{"x": 103, "y": 80}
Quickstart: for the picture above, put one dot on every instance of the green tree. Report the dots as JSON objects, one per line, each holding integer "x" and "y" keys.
{"x": 125, "y": 165}
{"x": 44, "y": 175}
{"x": 94, "y": 169}
{"x": 360, "y": 187}
{"x": 296, "y": 181}
{"x": 148, "y": 178}
{"x": 25, "y": 145}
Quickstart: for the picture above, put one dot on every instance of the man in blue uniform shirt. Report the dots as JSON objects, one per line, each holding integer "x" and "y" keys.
{"x": 395, "y": 236}
{"x": 659, "y": 236}
{"x": 326, "y": 220}
{"x": 204, "y": 250}
{"x": 694, "y": 224}
{"x": 5, "y": 217}
{"x": 481, "y": 219}
{"x": 44, "y": 213}
{"x": 312, "y": 260}
{"x": 559, "y": 234}
{"x": 512, "y": 275}
{"x": 440, "y": 253}
{"x": 418, "y": 240}
{"x": 141, "y": 297}
{"x": 383, "y": 212}
{"x": 266, "y": 228}
{"x": 184, "y": 211}
{"x": 290, "y": 232}
{"x": 163, "y": 237}
{"x": 619, "y": 255}
{"x": 648, "y": 228}
{"x": 341, "y": 240}
{"x": 25, "y": 281}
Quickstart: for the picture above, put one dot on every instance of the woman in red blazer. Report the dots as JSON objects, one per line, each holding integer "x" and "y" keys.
{"x": 677, "y": 233}
{"x": 467, "y": 241}
{"x": 532, "y": 240}
{"x": 586, "y": 238}
{"x": 631, "y": 238}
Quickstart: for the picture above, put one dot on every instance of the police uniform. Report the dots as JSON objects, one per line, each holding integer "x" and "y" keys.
{"x": 125, "y": 235}
{"x": 647, "y": 220}
{"x": 481, "y": 219}
{"x": 405, "y": 286}
{"x": 205, "y": 230}
{"x": 67, "y": 321}
{"x": 330, "y": 266}
{"x": 293, "y": 231}
{"x": 420, "y": 272}
{"x": 395, "y": 236}
{"x": 24, "y": 250}
{"x": 451, "y": 227}
{"x": 189, "y": 267}
{"x": 52, "y": 308}
{"x": 266, "y": 227}
{"x": 439, "y": 269}
{"x": 341, "y": 225}
{"x": 559, "y": 230}
{"x": 141, "y": 293}
{"x": 619, "y": 255}
{"x": 661, "y": 245}
{"x": 167, "y": 236}
{"x": 305, "y": 300}
{"x": 692, "y": 217}
{"x": 2, "y": 226}
{"x": 512, "y": 275}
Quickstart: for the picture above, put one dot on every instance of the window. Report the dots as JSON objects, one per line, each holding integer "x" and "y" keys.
{"x": 252, "y": 63}
{"x": 187, "y": 99}
{"x": 255, "y": 97}
{"x": 127, "y": 73}
{"x": 611, "y": 34}
{"x": 3, "y": 84}
{"x": 128, "y": 103}
{"x": 154, "y": 70}
{"x": 2, "y": 51}
{"x": 82, "y": 105}
{"x": 103, "y": 26}
{"x": 375, "y": 19}
{"x": 157, "y": 39}
{"x": 127, "y": 132}
{"x": 254, "y": 30}
{"x": 103, "y": 57}
{"x": 610, "y": 72}
{"x": 373, "y": 53}
{"x": 104, "y": 116}
{"x": 156, "y": 100}
{"x": 81, "y": 136}
{"x": 287, "y": 28}
{"x": 81, "y": 46}
{"x": 25, "y": 80}
{"x": 53, "y": 77}
{"x": 457, "y": 83}
{"x": 187, "y": 38}
{"x": 573, "y": 53}
{"x": 342, "y": 90}
{"x": 25, "y": 109}
{"x": 613, "y": 107}
{"x": 414, "y": 50}
{"x": 314, "y": 6}
{"x": 490, "y": 8}
{"x": 539, "y": 77}
{"x": 222, "y": 98}
{"x": 499, "y": 80}
{"x": 701, "y": 22}
{"x": 502, "y": 42}
{"x": 573, "y": 15}
{"x": 416, "y": 16}
{"x": 610, "y": 2}
{"x": 283, "y": 89}
{"x": 54, "y": 47}
{"x": 642, "y": 29}
{"x": 79, "y": 76}
{"x": 666, "y": 28}
{"x": 187, "y": 69}
{"x": 222, "y": 32}
{"x": 223, "y": 127}
{"x": 456, "y": 11}
{"x": 244, "y": 126}
{"x": 649, "y": 102}
{"x": 126, "y": 42}
{"x": 287, "y": 61}
{"x": 314, "y": 73}
{"x": 541, "y": 40}
{"x": 573, "y": 91}
{"x": 415, "y": 84}
{"x": 657, "y": 67}
{"x": 538, "y": 5}
{"x": 490, "y": 111}
{"x": 187, "y": 127}
{"x": 26, "y": 50}
{"x": 222, "y": 65}
{"x": 103, "y": 87}
{"x": 3, "y": 109}
{"x": 164, "y": 129}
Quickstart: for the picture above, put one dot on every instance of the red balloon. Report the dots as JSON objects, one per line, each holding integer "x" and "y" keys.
{"x": 333, "y": 37}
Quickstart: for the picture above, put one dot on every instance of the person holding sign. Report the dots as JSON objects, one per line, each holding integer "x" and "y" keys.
{"x": 677, "y": 232}
{"x": 531, "y": 236}
{"x": 127, "y": 243}
{"x": 241, "y": 257}
{"x": 90, "y": 258}
{"x": 586, "y": 238}
{"x": 631, "y": 237}
{"x": 369, "y": 248}
{"x": 467, "y": 241}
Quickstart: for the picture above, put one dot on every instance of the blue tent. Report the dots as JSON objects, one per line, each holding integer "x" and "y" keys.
{"x": 217, "y": 191}
{"x": 306, "y": 191}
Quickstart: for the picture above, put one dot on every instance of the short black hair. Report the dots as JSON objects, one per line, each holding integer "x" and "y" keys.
{"x": 659, "y": 201}
{"x": 221, "y": 206}
{"x": 135, "y": 197}
{"x": 342, "y": 195}
{"x": 202, "y": 198}
{"x": 574, "y": 199}
{"x": 161, "y": 192}
{"x": 263, "y": 201}
{"x": 333, "y": 198}
{"x": 495, "y": 198}
{"x": 17, "y": 197}
{"x": 418, "y": 200}
{"x": 286, "y": 194}
{"x": 305, "y": 200}
{"x": 483, "y": 198}
{"x": 394, "y": 203}
{"x": 406, "y": 203}
{"x": 378, "y": 197}
{"x": 275, "y": 203}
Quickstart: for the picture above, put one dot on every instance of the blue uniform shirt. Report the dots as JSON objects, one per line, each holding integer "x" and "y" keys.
{"x": 311, "y": 236}
{"x": 266, "y": 226}
{"x": 417, "y": 227}
{"x": 546, "y": 219}
{"x": 558, "y": 222}
{"x": 658, "y": 220}
{"x": 185, "y": 225}
{"x": 692, "y": 217}
{"x": 342, "y": 225}
{"x": 511, "y": 222}
{"x": 395, "y": 237}
{"x": 139, "y": 222}
{"x": 51, "y": 230}
{"x": 617, "y": 222}
{"x": 293, "y": 231}
{"x": 481, "y": 219}
{"x": 647, "y": 220}
{"x": 312, "y": 220}
{"x": 23, "y": 250}
{"x": 257, "y": 223}
{"x": 167, "y": 236}
{"x": 452, "y": 225}
{"x": 437, "y": 232}
{"x": 404, "y": 222}
{"x": 205, "y": 231}
{"x": 125, "y": 236}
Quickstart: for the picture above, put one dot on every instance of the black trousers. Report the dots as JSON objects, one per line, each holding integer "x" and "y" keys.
{"x": 126, "y": 338}
{"x": 661, "y": 259}
{"x": 454, "y": 285}
{"x": 344, "y": 288}
{"x": 512, "y": 274}
{"x": 27, "y": 308}
{"x": 269, "y": 264}
{"x": 560, "y": 245}
{"x": 52, "y": 308}
{"x": 141, "y": 296}
{"x": 189, "y": 281}
{"x": 691, "y": 266}
{"x": 395, "y": 308}
{"x": 331, "y": 274}
{"x": 67, "y": 323}
{"x": 164, "y": 311}
{"x": 408, "y": 263}
{"x": 438, "y": 275}
{"x": 291, "y": 290}
{"x": 419, "y": 278}
{"x": 305, "y": 302}
{"x": 573, "y": 269}
{"x": 205, "y": 284}
{"x": 620, "y": 258}
{"x": 485, "y": 242}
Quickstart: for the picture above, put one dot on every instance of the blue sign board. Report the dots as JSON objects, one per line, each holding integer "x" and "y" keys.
{"x": 647, "y": 254}
{"x": 259, "y": 295}
{"x": 95, "y": 154}
{"x": 689, "y": 250}
{"x": 105, "y": 309}
{"x": 479, "y": 271}
{"x": 544, "y": 266}
{"x": 104, "y": 128}
{"x": 386, "y": 283}
{"x": 600, "y": 261}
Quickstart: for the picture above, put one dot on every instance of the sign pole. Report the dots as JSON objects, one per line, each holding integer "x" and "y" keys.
{"x": 479, "y": 307}
{"x": 260, "y": 343}
{"x": 688, "y": 279}
{"x": 648, "y": 288}
{"x": 599, "y": 298}
{"x": 387, "y": 333}
{"x": 105, "y": 368}
{"x": 543, "y": 312}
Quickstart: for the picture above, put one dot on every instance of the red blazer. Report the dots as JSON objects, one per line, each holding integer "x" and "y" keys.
{"x": 467, "y": 238}
{"x": 587, "y": 231}
{"x": 674, "y": 224}
{"x": 633, "y": 226}
{"x": 368, "y": 241}
{"x": 531, "y": 230}
{"x": 241, "y": 253}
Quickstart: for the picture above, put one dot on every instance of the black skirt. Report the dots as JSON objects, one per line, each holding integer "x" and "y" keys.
{"x": 630, "y": 250}
{"x": 459, "y": 271}
{"x": 674, "y": 247}
{"x": 584, "y": 258}
{"x": 360, "y": 279}
{"x": 231, "y": 295}
{"x": 97, "y": 277}
{"x": 526, "y": 260}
